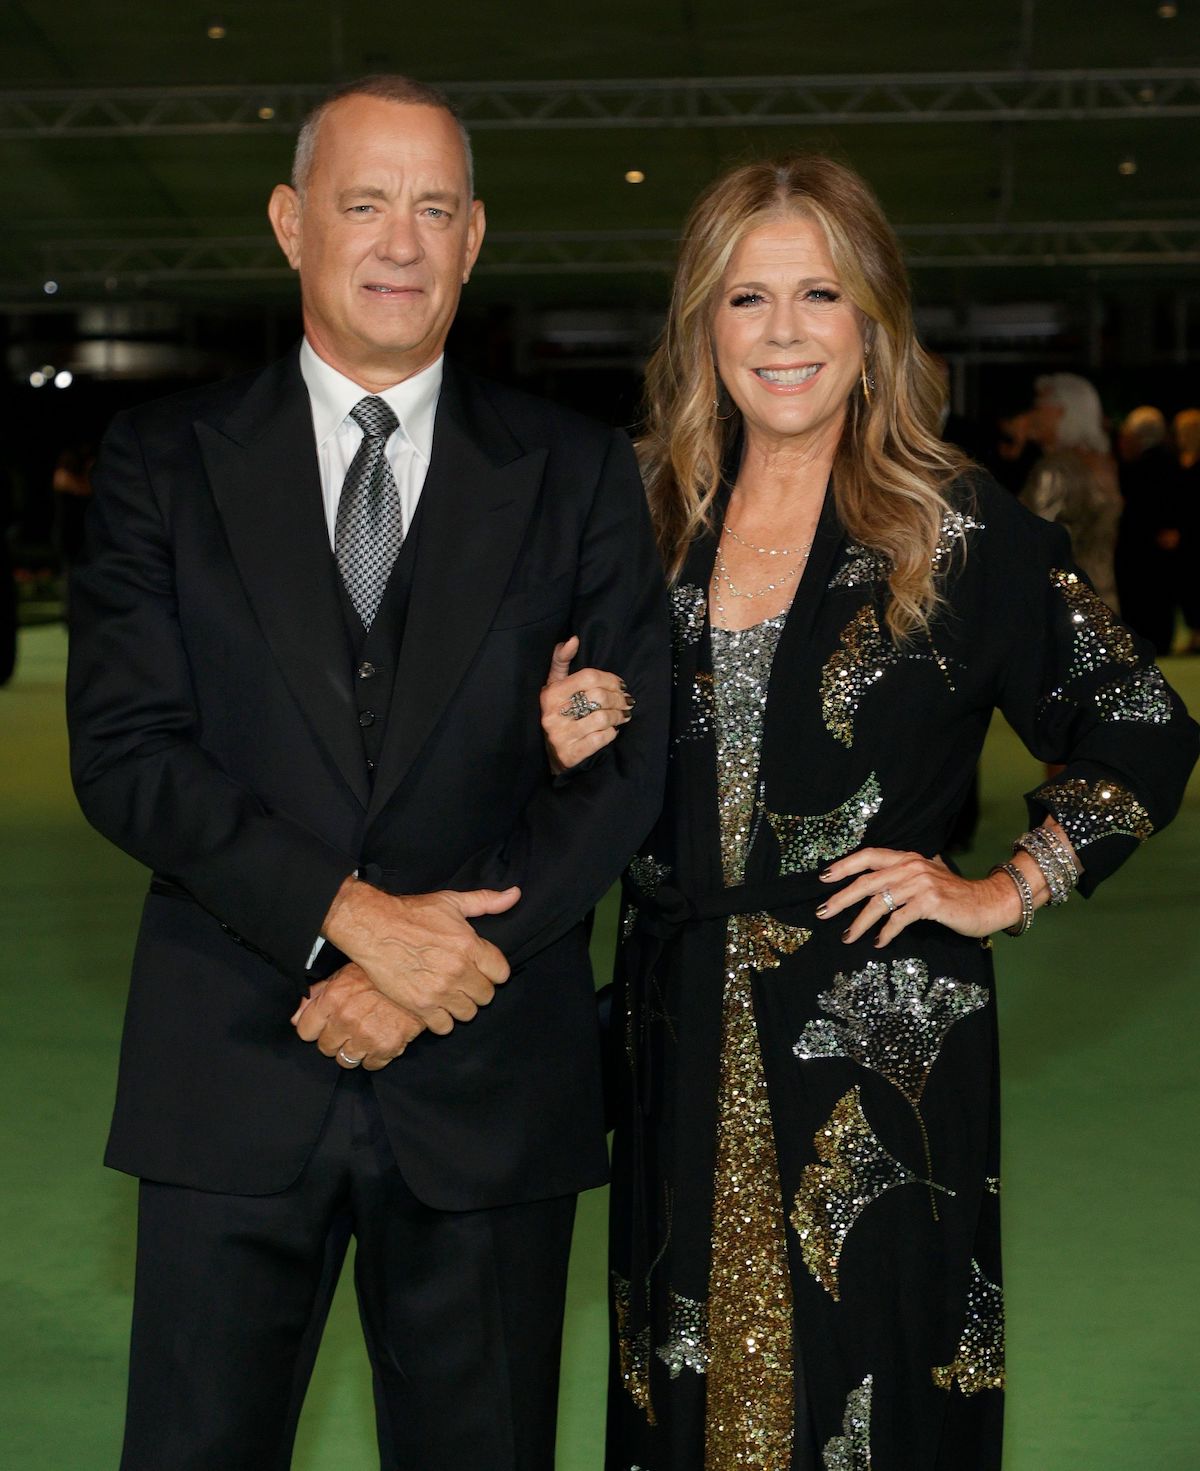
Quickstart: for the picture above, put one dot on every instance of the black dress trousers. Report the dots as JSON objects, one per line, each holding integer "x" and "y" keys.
{"x": 461, "y": 1311}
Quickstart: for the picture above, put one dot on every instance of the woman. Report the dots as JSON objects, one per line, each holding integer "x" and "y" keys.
{"x": 805, "y": 1242}
{"x": 1075, "y": 482}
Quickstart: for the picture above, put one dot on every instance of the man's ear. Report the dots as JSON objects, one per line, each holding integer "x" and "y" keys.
{"x": 476, "y": 225}
{"x": 283, "y": 210}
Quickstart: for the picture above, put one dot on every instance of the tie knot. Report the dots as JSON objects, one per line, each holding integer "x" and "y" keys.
{"x": 374, "y": 417}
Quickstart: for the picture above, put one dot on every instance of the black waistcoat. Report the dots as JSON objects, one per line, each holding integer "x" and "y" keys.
{"x": 376, "y": 652}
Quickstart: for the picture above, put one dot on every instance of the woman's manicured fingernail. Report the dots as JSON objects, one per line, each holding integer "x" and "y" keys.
{"x": 623, "y": 685}
{"x": 822, "y": 910}
{"x": 826, "y": 876}
{"x": 630, "y": 702}
{"x": 846, "y": 937}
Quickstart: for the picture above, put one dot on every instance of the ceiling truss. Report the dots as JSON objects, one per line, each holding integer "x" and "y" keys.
{"x": 716, "y": 102}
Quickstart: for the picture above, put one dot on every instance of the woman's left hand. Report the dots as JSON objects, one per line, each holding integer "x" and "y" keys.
{"x": 917, "y": 888}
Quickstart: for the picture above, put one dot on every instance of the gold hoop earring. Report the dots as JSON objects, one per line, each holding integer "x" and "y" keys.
{"x": 723, "y": 392}
{"x": 868, "y": 381}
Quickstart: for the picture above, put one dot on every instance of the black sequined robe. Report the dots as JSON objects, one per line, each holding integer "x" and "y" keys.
{"x": 805, "y": 1211}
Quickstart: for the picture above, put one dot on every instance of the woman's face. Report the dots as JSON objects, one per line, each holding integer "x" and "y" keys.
{"x": 788, "y": 342}
{"x": 1044, "y": 418}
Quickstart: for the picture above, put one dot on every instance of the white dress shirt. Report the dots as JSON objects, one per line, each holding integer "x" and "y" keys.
{"x": 332, "y": 396}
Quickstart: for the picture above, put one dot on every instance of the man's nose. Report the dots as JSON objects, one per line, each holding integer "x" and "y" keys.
{"x": 399, "y": 242}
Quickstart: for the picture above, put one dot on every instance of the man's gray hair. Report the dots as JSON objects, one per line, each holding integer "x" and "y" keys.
{"x": 387, "y": 88}
{"x": 1082, "y": 422}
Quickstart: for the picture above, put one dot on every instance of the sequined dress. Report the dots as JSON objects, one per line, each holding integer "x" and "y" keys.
{"x": 805, "y": 1213}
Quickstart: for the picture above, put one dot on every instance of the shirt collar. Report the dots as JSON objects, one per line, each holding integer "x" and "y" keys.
{"x": 333, "y": 395}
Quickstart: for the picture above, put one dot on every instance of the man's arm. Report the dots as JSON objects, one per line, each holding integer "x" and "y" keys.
{"x": 578, "y": 832}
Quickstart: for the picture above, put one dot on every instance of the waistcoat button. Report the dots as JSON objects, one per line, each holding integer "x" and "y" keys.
{"x": 366, "y": 717}
{"x": 366, "y": 670}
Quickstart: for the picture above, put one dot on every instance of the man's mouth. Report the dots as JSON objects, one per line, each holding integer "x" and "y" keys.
{"x": 382, "y": 289}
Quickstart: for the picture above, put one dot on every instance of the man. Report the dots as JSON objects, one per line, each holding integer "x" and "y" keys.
{"x": 307, "y": 651}
{"x": 1149, "y": 536}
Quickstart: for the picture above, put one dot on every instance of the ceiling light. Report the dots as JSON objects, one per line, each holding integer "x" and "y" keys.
{"x": 64, "y": 379}
{"x": 216, "y": 30}
{"x": 36, "y": 379}
{"x": 47, "y": 371}
{"x": 635, "y": 176}
{"x": 266, "y": 113}
{"x": 1145, "y": 94}
{"x": 49, "y": 287}
{"x": 1168, "y": 10}
{"x": 1127, "y": 167}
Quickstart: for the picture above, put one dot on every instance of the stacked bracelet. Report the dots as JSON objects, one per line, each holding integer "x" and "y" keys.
{"x": 1053, "y": 858}
{"x": 1026, "y": 893}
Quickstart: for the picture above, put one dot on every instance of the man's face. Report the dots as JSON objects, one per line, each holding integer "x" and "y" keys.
{"x": 383, "y": 237}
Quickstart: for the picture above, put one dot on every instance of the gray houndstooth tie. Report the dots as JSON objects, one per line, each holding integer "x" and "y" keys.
{"x": 369, "y": 529}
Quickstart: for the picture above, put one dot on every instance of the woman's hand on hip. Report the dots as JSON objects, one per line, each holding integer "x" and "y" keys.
{"x": 900, "y": 888}
{"x": 581, "y": 712}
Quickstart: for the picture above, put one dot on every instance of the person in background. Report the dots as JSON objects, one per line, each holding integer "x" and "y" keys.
{"x": 1149, "y": 537}
{"x": 1075, "y": 481}
{"x": 1186, "y": 427}
{"x": 805, "y": 1205}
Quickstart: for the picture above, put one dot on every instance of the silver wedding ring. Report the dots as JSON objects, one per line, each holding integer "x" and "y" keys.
{"x": 886, "y": 896}
{"x": 349, "y": 1061}
{"x": 579, "y": 707}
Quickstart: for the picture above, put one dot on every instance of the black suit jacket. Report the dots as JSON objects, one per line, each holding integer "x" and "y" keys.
{"x": 215, "y": 738}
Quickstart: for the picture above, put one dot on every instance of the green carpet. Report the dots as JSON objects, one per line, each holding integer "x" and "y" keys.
{"x": 1100, "y": 1007}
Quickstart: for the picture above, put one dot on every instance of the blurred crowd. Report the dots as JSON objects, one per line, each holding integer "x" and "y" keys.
{"x": 1133, "y": 516}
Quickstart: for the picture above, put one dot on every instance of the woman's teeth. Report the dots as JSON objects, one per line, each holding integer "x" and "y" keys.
{"x": 787, "y": 377}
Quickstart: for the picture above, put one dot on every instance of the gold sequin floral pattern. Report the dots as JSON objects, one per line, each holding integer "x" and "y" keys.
{"x": 862, "y": 659}
{"x": 1088, "y": 811}
{"x": 979, "y": 1362}
{"x": 687, "y": 1336}
{"x": 807, "y": 842}
{"x": 748, "y": 1403}
{"x": 851, "y": 1451}
{"x": 633, "y": 1350}
{"x": 855, "y": 1170}
{"x": 1099, "y": 638}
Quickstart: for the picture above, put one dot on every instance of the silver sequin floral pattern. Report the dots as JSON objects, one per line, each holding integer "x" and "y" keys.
{"x": 953, "y": 535}
{"x": 687, "y": 1336}
{"x": 1139, "y": 696}
{"x": 807, "y": 842}
{"x": 699, "y": 722}
{"x": 893, "y": 1020}
{"x": 1099, "y": 638}
{"x": 855, "y": 1170}
{"x": 1090, "y": 810}
{"x": 861, "y": 565}
{"x": 851, "y": 1451}
{"x": 979, "y": 1361}
{"x": 689, "y": 608}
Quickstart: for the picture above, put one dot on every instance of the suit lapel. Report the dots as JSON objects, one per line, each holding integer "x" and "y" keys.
{"x": 475, "y": 506}
{"x": 262, "y": 466}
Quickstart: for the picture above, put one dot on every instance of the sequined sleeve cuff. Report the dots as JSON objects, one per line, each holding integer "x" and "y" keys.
{"x": 1102, "y": 818}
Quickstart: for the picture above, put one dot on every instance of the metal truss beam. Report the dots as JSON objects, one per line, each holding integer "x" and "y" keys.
{"x": 120, "y": 264}
{"x": 668, "y": 102}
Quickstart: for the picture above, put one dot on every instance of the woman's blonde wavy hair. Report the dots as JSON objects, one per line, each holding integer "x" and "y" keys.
{"x": 891, "y": 469}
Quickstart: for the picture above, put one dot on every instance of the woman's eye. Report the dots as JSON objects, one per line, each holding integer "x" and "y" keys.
{"x": 746, "y": 298}
{"x": 824, "y": 293}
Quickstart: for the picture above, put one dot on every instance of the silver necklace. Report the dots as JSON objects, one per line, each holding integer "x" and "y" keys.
{"x": 801, "y": 552}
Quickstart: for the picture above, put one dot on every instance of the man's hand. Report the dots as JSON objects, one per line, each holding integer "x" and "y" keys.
{"x": 348, "y": 1019}
{"x": 418, "y": 949}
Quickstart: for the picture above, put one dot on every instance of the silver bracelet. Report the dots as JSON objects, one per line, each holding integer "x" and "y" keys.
{"x": 1026, "y": 893}
{"x": 1053, "y": 859}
